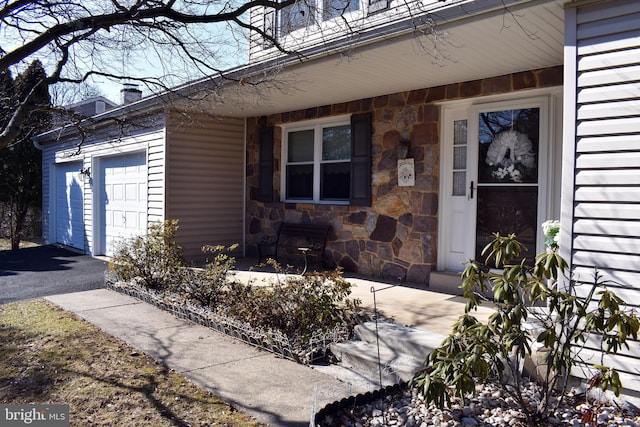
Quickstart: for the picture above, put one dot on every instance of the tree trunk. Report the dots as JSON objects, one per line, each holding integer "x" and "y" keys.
{"x": 16, "y": 228}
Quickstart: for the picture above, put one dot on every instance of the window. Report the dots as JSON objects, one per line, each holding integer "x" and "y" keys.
{"x": 321, "y": 161}
{"x": 305, "y": 13}
{"x": 334, "y": 8}
{"x": 318, "y": 162}
{"x": 301, "y": 14}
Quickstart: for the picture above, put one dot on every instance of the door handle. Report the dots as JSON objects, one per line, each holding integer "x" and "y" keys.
{"x": 471, "y": 190}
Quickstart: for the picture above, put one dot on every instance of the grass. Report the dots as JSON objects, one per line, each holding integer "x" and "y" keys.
{"x": 50, "y": 356}
{"x": 5, "y": 244}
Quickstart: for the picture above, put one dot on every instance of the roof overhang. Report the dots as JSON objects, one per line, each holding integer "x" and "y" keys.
{"x": 474, "y": 40}
{"x": 504, "y": 39}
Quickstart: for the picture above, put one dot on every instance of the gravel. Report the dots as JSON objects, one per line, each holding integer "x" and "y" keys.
{"x": 491, "y": 407}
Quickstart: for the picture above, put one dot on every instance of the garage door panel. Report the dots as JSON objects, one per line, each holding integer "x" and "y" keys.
{"x": 132, "y": 192}
{"x": 125, "y": 199}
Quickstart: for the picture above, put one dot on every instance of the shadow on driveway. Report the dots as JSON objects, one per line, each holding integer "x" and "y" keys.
{"x": 47, "y": 270}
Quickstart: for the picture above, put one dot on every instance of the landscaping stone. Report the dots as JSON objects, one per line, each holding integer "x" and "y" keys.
{"x": 405, "y": 407}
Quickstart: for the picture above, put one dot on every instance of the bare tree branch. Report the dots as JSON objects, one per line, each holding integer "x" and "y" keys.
{"x": 79, "y": 40}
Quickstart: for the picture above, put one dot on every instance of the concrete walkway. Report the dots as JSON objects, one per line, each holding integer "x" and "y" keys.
{"x": 275, "y": 391}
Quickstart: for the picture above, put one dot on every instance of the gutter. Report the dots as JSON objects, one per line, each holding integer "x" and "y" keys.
{"x": 446, "y": 13}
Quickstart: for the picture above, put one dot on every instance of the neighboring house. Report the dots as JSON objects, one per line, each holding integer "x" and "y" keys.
{"x": 82, "y": 109}
{"x": 513, "y": 112}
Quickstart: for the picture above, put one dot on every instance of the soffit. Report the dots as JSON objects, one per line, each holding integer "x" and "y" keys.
{"x": 525, "y": 37}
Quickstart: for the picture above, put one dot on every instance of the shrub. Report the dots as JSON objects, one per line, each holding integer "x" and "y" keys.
{"x": 479, "y": 352}
{"x": 206, "y": 285}
{"x": 154, "y": 260}
{"x": 298, "y": 306}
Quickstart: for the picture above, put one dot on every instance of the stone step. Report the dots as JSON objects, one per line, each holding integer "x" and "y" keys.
{"x": 358, "y": 382}
{"x": 362, "y": 357}
{"x": 400, "y": 339}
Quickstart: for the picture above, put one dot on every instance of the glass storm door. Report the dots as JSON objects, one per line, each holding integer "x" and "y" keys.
{"x": 491, "y": 168}
{"x": 506, "y": 190}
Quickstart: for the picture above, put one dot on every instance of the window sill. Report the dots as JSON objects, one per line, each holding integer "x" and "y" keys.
{"x": 318, "y": 202}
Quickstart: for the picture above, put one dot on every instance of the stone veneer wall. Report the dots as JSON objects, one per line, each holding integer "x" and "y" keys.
{"x": 397, "y": 236}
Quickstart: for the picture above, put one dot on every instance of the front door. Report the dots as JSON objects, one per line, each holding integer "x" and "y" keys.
{"x": 493, "y": 176}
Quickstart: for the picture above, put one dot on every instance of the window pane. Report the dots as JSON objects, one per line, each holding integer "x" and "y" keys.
{"x": 460, "y": 157}
{"x": 298, "y": 15}
{"x": 459, "y": 183}
{"x": 299, "y": 181}
{"x": 336, "y": 143}
{"x": 300, "y": 147}
{"x": 508, "y": 150}
{"x": 460, "y": 132}
{"x": 334, "y": 8}
{"x": 335, "y": 181}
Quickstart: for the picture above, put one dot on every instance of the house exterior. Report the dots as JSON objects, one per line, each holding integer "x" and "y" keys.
{"x": 140, "y": 164}
{"x": 416, "y": 133}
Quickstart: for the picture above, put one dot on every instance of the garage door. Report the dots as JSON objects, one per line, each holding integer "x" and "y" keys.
{"x": 124, "y": 201}
{"x": 69, "y": 219}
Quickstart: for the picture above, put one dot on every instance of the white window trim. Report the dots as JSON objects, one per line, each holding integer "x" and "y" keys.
{"x": 317, "y": 125}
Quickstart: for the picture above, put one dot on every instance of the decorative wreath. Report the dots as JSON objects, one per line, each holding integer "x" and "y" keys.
{"x": 517, "y": 144}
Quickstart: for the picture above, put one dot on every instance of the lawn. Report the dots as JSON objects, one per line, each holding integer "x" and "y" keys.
{"x": 50, "y": 356}
{"x": 5, "y": 244}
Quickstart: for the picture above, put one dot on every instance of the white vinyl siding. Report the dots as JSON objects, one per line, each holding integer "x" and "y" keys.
{"x": 205, "y": 176}
{"x": 350, "y": 24}
{"x": 601, "y": 210}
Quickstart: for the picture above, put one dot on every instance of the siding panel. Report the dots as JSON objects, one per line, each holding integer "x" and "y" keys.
{"x": 609, "y": 109}
{"x": 608, "y": 244}
{"x": 205, "y": 174}
{"x": 608, "y": 160}
{"x": 609, "y": 127}
{"x": 608, "y": 60}
{"x": 608, "y": 177}
{"x": 604, "y": 211}
{"x": 614, "y": 92}
{"x": 607, "y": 228}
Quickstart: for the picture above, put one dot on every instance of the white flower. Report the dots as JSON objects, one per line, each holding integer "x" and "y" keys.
{"x": 550, "y": 225}
{"x": 551, "y": 231}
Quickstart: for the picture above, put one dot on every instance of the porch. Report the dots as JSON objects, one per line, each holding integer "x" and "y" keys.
{"x": 405, "y": 304}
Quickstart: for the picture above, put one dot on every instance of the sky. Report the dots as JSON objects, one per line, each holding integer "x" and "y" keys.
{"x": 128, "y": 51}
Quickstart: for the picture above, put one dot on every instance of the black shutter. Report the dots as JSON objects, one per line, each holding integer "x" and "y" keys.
{"x": 361, "y": 159}
{"x": 265, "y": 165}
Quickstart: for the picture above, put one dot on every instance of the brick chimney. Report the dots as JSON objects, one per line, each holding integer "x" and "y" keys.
{"x": 129, "y": 93}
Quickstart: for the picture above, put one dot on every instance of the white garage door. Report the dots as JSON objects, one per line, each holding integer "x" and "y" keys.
{"x": 124, "y": 199}
{"x": 69, "y": 219}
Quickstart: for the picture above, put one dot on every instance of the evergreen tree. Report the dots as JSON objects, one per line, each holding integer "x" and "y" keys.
{"x": 21, "y": 162}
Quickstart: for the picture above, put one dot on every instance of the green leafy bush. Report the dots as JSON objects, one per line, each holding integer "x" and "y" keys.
{"x": 496, "y": 350}
{"x": 154, "y": 260}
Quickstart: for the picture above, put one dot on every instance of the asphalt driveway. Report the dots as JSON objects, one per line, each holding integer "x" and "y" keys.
{"x": 47, "y": 270}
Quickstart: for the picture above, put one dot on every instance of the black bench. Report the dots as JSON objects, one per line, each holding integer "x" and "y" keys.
{"x": 301, "y": 239}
